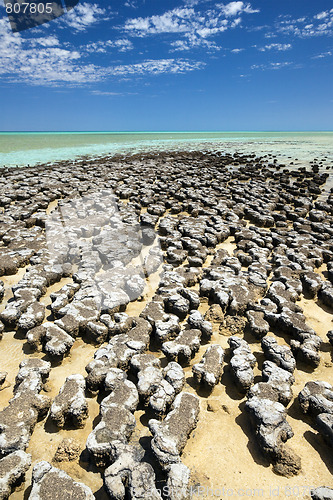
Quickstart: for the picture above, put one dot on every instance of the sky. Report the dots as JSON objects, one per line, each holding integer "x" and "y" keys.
{"x": 178, "y": 65}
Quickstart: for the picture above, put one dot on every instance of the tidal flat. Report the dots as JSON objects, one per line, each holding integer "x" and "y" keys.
{"x": 166, "y": 327}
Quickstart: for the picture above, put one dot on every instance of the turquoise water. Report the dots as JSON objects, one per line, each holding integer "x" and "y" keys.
{"x": 34, "y": 148}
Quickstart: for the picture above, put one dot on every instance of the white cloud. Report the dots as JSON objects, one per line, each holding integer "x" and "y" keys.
{"x": 305, "y": 27}
{"x": 232, "y": 8}
{"x": 27, "y": 61}
{"x": 174, "y": 21}
{"x": 187, "y": 20}
{"x": 191, "y": 3}
{"x": 271, "y": 65}
{"x": 122, "y": 45}
{"x": 194, "y": 26}
{"x": 236, "y": 22}
{"x": 275, "y": 46}
{"x": 235, "y": 8}
{"x": 329, "y": 53}
{"x": 45, "y": 41}
{"x": 236, "y": 51}
{"x": 131, "y": 4}
{"x": 193, "y": 41}
{"x": 321, "y": 15}
{"x": 180, "y": 45}
{"x": 99, "y": 92}
{"x": 83, "y": 15}
{"x": 156, "y": 67}
{"x": 111, "y": 94}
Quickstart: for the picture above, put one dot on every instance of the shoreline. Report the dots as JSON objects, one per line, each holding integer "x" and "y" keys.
{"x": 252, "y": 227}
{"x": 20, "y": 149}
{"x": 166, "y": 132}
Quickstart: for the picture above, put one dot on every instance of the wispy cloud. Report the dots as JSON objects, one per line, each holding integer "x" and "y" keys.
{"x": 194, "y": 26}
{"x": 272, "y": 65}
{"x": 329, "y": 53}
{"x": 131, "y": 4}
{"x": 82, "y": 16}
{"x": 111, "y": 94}
{"x": 122, "y": 45}
{"x": 34, "y": 63}
{"x": 156, "y": 67}
{"x": 45, "y": 41}
{"x": 193, "y": 41}
{"x": 235, "y": 8}
{"x": 304, "y": 27}
{"x": 275, "y": 46}
{"x": 323, "y": 15}
{"x": 34, "y": 59}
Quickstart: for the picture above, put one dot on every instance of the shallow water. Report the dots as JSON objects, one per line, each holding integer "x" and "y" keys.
{"x": 42, "y": 147}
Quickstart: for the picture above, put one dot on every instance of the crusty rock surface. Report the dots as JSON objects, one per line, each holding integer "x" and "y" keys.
{"x": 233, "y": 325}
{"x": 68, "y": 450}
{"x": 280, "y": 354}
{"x": 183, "y": 347}
{"x": 165, "y": 392}
{"x": 63, "y": 296}
{"x": 70, "y": 406}
{"x": 272, "y": 430}
{"x": 123, "y": 392}
{"x": 214, "y": 314}
{"x": 257, "y": 324}
{"x": 12, "y": 471}
{"x": 196, "y": 321}
{"x": 278, "y": 379}
{"x": 324, "y": 423}
{"x": 241, "y": 363}
{"x": 316, "y": 398}
{"x": 55, "y": 341}
{"x": 157, "y": 387}
{"x": 50, "y": 483}
{"x": 32, "y": 317}
{"x": 178, "y": 305}
{"x": 209, "y": 370}
{"x": 322, "y": 493}
{"x": 117, "y": 353}
{"x": 178, "y": 482}
{"x": 32, "y": 374}
{"x": 18, "y": 419}
{"x": 307, "y": 349}
{"x": 170, "y": 435}
{"x": 129, "y": 476}
{"x": 167, "y": 327}
{"x": 117, "y": 421}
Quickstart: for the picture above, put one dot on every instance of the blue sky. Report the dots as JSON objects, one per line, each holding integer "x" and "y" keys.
{"x": 175, "y": 65}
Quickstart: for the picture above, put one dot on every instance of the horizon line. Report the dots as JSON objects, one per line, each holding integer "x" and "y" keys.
{"x": 153, "y": 132}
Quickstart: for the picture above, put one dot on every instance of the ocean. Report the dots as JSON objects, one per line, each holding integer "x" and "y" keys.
{"x": 32, "y": 148}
